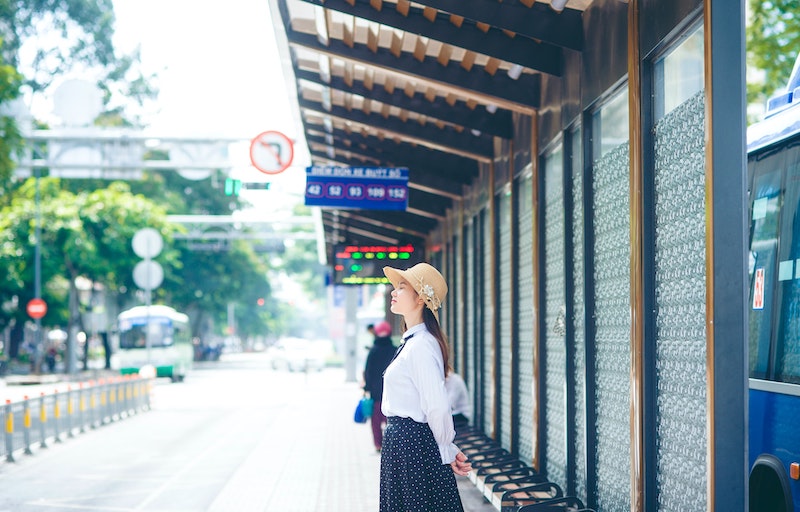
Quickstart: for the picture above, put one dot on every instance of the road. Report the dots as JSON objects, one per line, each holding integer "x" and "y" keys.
{"x": 235, "y": 436}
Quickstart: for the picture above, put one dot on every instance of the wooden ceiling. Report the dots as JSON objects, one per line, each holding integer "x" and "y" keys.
{"x": 424, "y": 85}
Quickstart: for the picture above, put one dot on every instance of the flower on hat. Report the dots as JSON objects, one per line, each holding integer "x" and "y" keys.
{"x": 427, "y": 290}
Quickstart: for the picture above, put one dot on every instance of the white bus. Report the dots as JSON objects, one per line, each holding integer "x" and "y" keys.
{"x": 170, "y": 347}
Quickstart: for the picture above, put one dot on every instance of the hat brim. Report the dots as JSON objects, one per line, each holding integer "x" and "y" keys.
{"x": 396, "y": 275}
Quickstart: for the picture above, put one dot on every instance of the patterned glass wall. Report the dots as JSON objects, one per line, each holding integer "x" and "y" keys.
{"x": 487, "y": 334}
{"x": 555, "y": 374}
{"x": 577, "y": 316}
{"x": 680, "y": 317}
{"x": 524, "y": 315}
{"x": 469, "y": 326}
{"x": 611, "y": 211}
{"x": 503, "y": 303}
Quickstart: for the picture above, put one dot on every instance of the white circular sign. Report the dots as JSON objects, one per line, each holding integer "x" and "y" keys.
{"x": 147, "y": 243}
{"x": 271, "y": 152}
{"x": 77, "y": 102}
{"x": 148, "y": 275}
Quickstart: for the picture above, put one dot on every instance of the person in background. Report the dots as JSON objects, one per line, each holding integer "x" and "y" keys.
{"x": 419, "y": 458}
{"x": 459, "y": 399}
{"x": 378, "y": 358}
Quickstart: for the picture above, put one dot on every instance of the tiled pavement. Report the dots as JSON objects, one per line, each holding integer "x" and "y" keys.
{"x": 319, "y": 460}
{"x": 313, "y": 457}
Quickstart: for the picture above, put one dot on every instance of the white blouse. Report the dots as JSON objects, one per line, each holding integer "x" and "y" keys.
{"x": 413, "y": 387}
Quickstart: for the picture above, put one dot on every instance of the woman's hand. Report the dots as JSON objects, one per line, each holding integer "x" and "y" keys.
{"x": 461, "y": 466}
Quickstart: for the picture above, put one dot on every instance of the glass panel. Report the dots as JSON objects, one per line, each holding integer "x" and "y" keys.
{"x": 579, "y": 327}
{"x": 555, "y": 297}
{"x": 679, "y": 74}
{"x": 612, "y": 285}
{"x": 524, "y": 314}
{"x": 680, "y": 318}
{"x": 610, "y": 124}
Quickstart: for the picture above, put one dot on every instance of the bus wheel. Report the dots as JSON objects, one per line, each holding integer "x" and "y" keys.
{"x": 769, "y": 486}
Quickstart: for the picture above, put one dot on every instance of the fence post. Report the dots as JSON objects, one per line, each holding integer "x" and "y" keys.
{"x": 103, "y": 403}
{"x": 129, "y": 396}
{"x": 9, "y": 432}
{"x": 92, "y": 404}
{"x": 70, "y": 410}
{"x": 42, "y": 421}
{"x": 81, "y": 408}
{"x": 112, "y": 399}
{"x": 26, "y": 425}
{"x": 56, "y": 417}
{"x": 121, "y": 395}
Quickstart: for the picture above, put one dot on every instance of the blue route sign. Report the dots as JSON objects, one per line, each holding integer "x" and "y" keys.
{"x": 363, "y": 188}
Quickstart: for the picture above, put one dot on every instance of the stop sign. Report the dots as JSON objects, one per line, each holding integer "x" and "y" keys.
{"x": 36, "y": 308}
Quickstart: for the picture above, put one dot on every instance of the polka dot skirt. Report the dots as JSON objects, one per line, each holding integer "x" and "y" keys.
{"x": 413, "y": 478}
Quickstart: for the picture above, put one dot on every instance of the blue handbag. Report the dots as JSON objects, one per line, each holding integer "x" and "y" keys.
{"x": 363, "y": 410}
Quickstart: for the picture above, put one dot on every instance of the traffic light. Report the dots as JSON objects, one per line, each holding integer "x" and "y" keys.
{"x": 232, "y": 187}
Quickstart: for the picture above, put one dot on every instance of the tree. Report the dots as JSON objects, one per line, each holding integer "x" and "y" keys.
{"x": 10, "y": 137}
{"x": 86, "y": 234}
{"x": 79, "y": 41}
{"x": 773, "y": 42}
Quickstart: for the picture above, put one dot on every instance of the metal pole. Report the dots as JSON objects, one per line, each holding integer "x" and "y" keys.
{"x": 351, "y": 330}
{"x": 37, "y": 269}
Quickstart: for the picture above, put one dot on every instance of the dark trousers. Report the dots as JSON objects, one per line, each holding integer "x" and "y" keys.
{"x": 378, "y": 422}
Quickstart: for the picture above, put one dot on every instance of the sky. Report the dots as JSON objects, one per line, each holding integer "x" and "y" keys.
{"x": 219, "y": 74}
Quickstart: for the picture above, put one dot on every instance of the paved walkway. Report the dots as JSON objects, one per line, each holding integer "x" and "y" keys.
{"x": 313, "y": 457}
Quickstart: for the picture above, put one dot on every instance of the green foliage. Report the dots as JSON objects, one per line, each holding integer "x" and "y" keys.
{"x": 85, "y": 234}
{"x": 773, "y": 41}
{"x": 10, "y": 138}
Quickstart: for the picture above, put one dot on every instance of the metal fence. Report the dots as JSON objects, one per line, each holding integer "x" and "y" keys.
{"x": 35, "y": 422}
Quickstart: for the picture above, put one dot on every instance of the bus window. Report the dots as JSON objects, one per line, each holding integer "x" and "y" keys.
{"x": 765, "y": 216}
{"x": 135, "y": 335}
{"x": 787, "y": 344}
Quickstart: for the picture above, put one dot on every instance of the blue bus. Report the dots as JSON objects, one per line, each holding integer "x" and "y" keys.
{"x": 773, "y": 147}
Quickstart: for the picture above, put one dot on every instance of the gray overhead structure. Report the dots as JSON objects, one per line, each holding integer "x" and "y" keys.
{"x": 577, "y": 165}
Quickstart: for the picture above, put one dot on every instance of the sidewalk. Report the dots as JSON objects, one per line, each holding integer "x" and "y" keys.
{"x": 334, "y": 466}
{"x": 313, "y": 454}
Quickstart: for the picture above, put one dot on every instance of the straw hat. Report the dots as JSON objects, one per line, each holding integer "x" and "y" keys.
{"x": 427, "y": 282}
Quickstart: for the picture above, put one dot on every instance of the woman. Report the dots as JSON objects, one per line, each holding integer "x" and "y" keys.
{"x": 419, "y": 457}
{"x": 378, "y": 358}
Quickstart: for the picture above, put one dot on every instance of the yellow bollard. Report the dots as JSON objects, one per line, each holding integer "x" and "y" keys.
{"x": 26, "y": 415}
{"x": 9, "y": 418}
{"x": 42, "y": 410}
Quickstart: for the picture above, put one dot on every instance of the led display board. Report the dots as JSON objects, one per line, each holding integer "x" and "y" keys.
{"x": 361, "y": 188}
{"x": 363, "y": 264}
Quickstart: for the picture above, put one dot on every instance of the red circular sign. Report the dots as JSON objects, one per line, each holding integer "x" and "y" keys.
{"x": 37, "y": 308}
{"x": 271, "y": 152}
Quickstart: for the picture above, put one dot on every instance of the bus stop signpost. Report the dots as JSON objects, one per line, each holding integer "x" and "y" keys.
{"x": 148, "y": 274}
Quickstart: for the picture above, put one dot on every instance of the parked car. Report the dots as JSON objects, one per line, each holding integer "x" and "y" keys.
{"x": 299, "y": 355}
